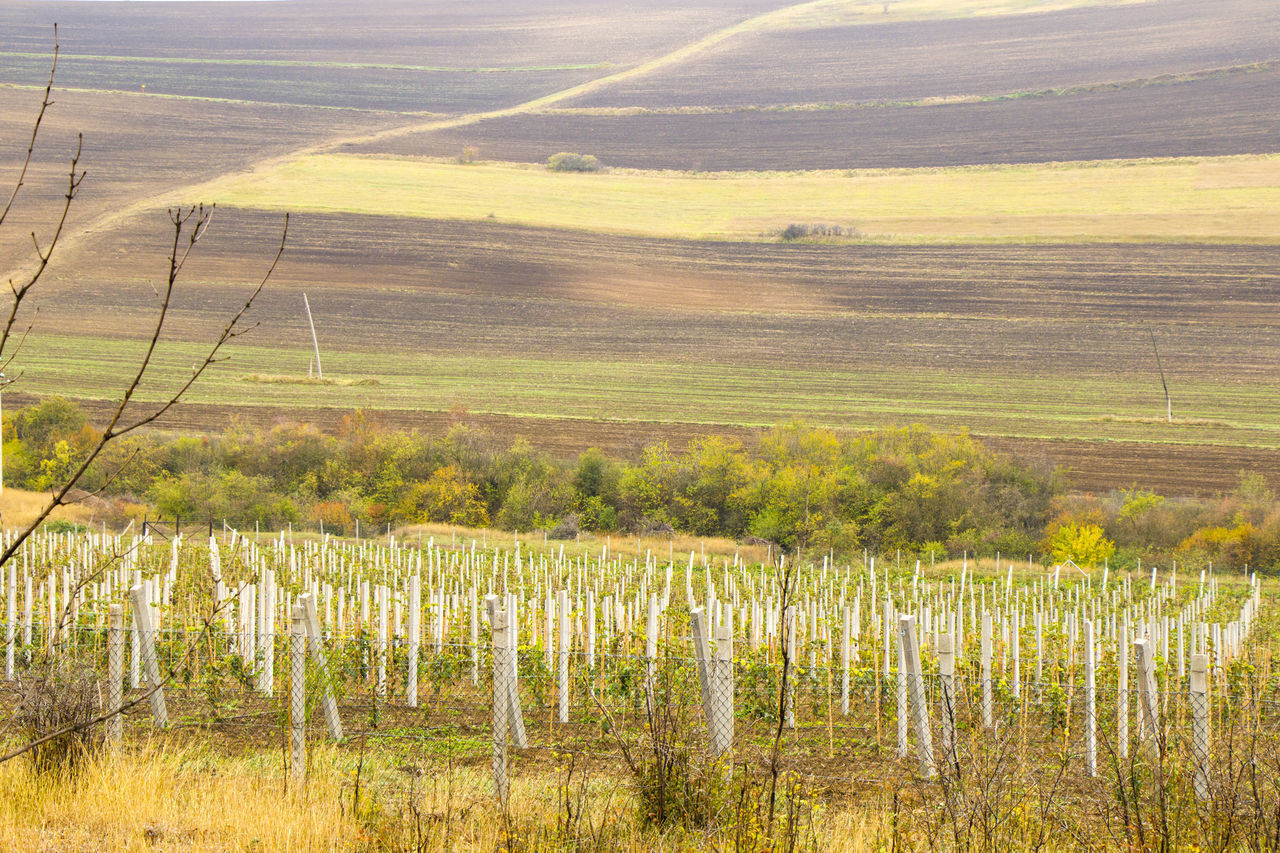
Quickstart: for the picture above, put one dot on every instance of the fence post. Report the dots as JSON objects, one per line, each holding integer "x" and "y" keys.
{"x": 316, "y": 644}
{"x": 147, "y": 646}
{"x": 501, "y": 694}
{"x": 986, "y": 671}
{"x": 909, "y": 643}
{"x": 1090, "y": 704}
{"x": 788, "y": 665}
{"x": 650, "y": 648}
{"x": 900, "y": 692}
{"x": 415, "y": 640}
{"x": 267, "y": 630}
{"x": 1122, "y": 692}
{"x": 1147, "y": 706}
{"x": 722, "y": 687}
{"x": 515, "y": 717}
{"x": 947, "y": 675}
{"x": 701, "y": 654}
{"x": 845, "y": 646}
{"x": 298, "y": 693}
{"x": 562, "y": 650}
{"x": 115, "y": 672}
{"x": 1200, "y": 722}
{"x": 380, "y": 641}
{"x": 11, "y": 613}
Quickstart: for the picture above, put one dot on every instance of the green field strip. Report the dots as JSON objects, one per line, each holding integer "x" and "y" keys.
{"x": 1090, "y": 408}
{"x": 1177, "y": 200}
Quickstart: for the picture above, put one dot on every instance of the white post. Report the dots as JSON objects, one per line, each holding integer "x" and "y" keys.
{"x": 498, "y": 623}
{"x": 909, "y": 643}
{"x": 1200, "y": 723}
{"x": 316, "y": 645}
{"x": 380, "y": 642}
{"x": 788, "y": 666}
{"x": 1090, "y": 704}
{"x": 415, "y": 640}
{"x": 562, "y": 647}
{"x": 986, "y": 671}
{"x": 11, "y": 613}
{"x": 1147, "y": 704}
{"x": 298, "y": 693}
{"x": 722, "y": 687}
{"x": 1122, "y": 693}
{"x": 947, "y": 675}
{"x": 115, "y": 672}
{"x": 845, "y": 646}
{"x": 146, "y": 643}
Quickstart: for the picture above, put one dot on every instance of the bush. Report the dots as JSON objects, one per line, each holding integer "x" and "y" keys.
{"x": 800, "y": 231}
{"x": 59, "y": 698}
{"x": 568, "y": 162}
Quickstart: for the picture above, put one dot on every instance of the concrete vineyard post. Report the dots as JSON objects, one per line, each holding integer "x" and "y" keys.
{"x": 845, "y": 647}
{"x": 788, "y": 666}
{"x": 1199, "y": 689}
{"x": 562, "y": 646}
{"x": 315, "y": 642}
{"x": 722, "y": 687}
{"x": 1147, "y": 700}
{"x": 701, "y": 654}
{"x": 1122, "y": 694}
{"x": 651, "y": 647}
{"x": 946, "y": 675}
{"x": 900, "y": 694}
{"x": 415, "y": 641}
{"x": 986, "y": 671}
{"x": 11, "y": 613}
{"x": 115, "y": 672}
{"x": 298, "y": 693}
{"x": 501, "y": 695}
{"x": 910, "y": 644}
{"x": 1090, "y": 704}
{"x": 146, "y": 644}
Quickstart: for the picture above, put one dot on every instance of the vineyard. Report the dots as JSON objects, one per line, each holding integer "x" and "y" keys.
{"x": 995, "y": 703}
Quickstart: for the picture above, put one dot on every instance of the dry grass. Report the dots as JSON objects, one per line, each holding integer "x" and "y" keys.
{"x": 678, "y": 546}
{"x": 189, "y": 799}
{"x": 18, "y": 508}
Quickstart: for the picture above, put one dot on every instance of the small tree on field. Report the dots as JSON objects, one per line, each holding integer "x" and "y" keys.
{"x": 566, "y": 161}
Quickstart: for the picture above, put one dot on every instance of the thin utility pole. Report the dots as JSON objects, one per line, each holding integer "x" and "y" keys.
{"x": 1169, "y": 404}
{"x": 314, "y": 343}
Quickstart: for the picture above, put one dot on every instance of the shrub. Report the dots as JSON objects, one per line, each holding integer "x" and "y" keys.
{"x": 61, "y": 697}
{"x": 819, "y": 231}
{"x": 566, "y": 161}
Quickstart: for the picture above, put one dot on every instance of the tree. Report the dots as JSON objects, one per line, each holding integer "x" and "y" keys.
{"x": 62, "y": 478}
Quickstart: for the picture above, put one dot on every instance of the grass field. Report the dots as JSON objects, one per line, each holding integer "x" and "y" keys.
{"x": 1188, "y": 200}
